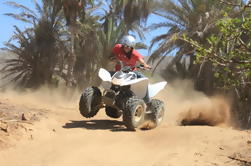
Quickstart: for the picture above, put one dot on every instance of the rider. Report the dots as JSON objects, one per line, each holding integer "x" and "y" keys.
{"x": 127, "y": 54}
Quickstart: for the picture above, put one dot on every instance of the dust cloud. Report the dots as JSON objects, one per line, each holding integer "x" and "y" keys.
{"x": 45, "y": 97}
{"x": 186, "y": 106}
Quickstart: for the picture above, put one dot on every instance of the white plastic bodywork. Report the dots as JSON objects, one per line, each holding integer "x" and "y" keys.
{"x": 138, "y": 86}
{"x": 154, "y": 89}
{"x": 106, "y": 78}
{"x": 104, "y": 75}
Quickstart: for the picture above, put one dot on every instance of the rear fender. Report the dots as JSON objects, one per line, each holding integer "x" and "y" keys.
{"x": 154, "y": 89}
{"x": 139, "y": 87}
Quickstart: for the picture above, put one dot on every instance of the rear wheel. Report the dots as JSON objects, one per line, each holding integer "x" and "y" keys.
{"x": 90, "y": 101}
{"x": 157, "y": 112}
{"x": 134, "y": 113}
{"x": 112, "y": 112}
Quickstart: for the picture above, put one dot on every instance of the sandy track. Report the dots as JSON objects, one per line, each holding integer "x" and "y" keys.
{"x": 64, "y": 138}
{"x": 68, "y": 139}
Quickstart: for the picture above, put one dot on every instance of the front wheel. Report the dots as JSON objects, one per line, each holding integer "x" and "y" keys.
{"x": 134, "y": 113}
{"x": 90, "y": 101}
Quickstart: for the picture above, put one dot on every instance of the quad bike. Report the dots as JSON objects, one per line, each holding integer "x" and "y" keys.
{"x": 124, "y": 94}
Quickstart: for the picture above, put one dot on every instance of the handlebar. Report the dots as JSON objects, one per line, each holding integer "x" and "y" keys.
{"x": 140, "y": 66}
{"x": 131, "y": 68}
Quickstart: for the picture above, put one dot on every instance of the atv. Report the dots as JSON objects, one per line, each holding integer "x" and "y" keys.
{"x": 124, "y": 94}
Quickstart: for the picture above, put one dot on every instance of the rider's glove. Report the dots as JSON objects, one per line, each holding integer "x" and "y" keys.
{"x": 146, "y": 66}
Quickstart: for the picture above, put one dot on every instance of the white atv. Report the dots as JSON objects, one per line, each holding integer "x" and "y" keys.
{"x": 124, "y": 93}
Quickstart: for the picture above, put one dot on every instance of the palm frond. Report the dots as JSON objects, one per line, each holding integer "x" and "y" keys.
{"x": 161, "y": 25}
{"x": 18, "y": 17}
{"x": 35, "y": 45}
{"x": 38, "y": 8}
{"x": 19, "y": 6}
{"x": 182, "y": 17}
{"x": 140, "y": 45}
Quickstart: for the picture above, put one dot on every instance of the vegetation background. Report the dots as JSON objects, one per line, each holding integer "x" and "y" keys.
{"x": 69, "y": 40}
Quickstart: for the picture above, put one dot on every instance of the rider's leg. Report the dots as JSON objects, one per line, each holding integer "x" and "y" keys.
{"x": 139, "y": 74}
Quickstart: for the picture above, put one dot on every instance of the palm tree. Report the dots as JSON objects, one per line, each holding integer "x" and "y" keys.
{"x": 88, "y": 50}
{"x": 73, "y": 9}
{"x": 87, "y": 33}
{"x": 36, "y": 53}
{"x": 193, "y": 18}
{"x": 133, "y": 12}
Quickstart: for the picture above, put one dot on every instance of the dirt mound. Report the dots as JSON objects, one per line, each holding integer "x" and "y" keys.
{"x": 16, "y": 121}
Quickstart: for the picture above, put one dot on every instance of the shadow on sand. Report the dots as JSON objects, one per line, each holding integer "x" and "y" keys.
{"x": 112, "y": 125}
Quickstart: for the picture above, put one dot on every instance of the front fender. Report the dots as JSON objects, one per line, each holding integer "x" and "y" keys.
{"x": 105, "y": 77}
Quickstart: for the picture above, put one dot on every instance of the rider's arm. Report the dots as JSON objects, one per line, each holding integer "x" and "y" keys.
{"x": 115, "y": 52}
{"x": 141, "y": 60}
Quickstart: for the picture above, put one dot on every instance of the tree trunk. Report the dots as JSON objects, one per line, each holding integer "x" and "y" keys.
{"x": 71, "y": 59}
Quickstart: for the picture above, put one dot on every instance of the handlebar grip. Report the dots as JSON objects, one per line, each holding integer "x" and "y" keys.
{"x": 141, "y": 65}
